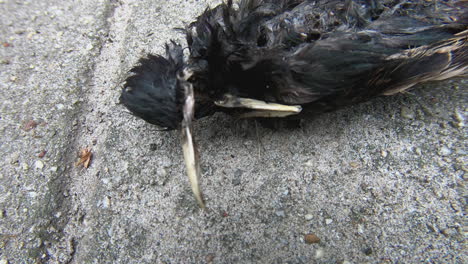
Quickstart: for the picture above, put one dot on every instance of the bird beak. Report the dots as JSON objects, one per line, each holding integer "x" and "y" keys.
{"x": 263, "y": 109}
{"x": 188, "y": 144}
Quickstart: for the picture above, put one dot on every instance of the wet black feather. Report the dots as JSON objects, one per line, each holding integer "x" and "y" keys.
{"x": 322, "y": 54}
{"x": 152, "y": 92}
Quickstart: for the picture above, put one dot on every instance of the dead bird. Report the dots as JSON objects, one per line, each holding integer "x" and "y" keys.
{"x": 280, "y": 58}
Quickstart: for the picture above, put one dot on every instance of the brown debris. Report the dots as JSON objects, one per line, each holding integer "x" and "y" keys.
{"x": 85, "y": 156}
{"x": 209, "y": 258}
{"x": 42, "y": 154}
{"x": 311, "y": 239}
{"x": 29, "y": 125}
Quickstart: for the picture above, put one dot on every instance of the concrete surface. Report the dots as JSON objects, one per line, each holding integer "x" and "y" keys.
{"x": 381, "y": 182}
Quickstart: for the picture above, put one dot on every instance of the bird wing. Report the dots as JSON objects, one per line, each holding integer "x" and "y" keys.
{"x": 350, "y": 64}
{"x": 438, "y": 62}
{"x": 326, "y": 52}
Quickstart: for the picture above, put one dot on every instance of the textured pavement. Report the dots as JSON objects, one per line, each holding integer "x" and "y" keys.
{"x": 381, "y": 182}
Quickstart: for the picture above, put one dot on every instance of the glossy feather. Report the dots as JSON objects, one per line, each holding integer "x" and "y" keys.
{"x": 326, "y": 54}
{"x": 321, "y": 54}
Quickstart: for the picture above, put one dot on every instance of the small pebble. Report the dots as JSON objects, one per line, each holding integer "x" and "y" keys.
{"x": 308, "y": 217}
{"x": 328, "y": 221}
{"x": 42, "y": 154}
{"x": 384, "y": 153}
{"x": 311, "y": 239}
{"x": 448, "y": 232}
{"x": 418, "y": 151}
{"x": 13, "y": 78}
{"x": 106, "y": 181}
{"x": 456, "y": 207}
{"x": 319, "y": 253}
{"x": 309, "y": 163}
{"x": 432, "y": 228}
{"x": 53, "y": 169}
{"x": 106, "y": 202}
{"x": 39, "y": 164}
{"x": 444, "y": 151}
{"x": 4, "y": 261}
{"x": 360, "y": 229}
{"x": 162, "y": 172}
{"x": 407, "y": 113}
{"x": 280, "y": 213}
{"x": 14, "y": 159}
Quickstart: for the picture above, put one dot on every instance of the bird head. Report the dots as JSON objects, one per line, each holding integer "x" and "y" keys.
{"x": 155, "y": 91}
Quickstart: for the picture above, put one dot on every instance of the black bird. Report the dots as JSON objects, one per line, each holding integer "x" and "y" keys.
{"x": 277, "y": 58}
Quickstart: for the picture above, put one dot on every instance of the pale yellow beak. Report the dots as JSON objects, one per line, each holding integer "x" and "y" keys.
{"x": 263, "y": 109}
{"x": 189, "y": 147}
{"x": 192, "y": 163}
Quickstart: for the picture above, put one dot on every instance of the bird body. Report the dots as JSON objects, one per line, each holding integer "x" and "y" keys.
{"x": 277, "y": 58}
{"x": 326, "y": 54}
